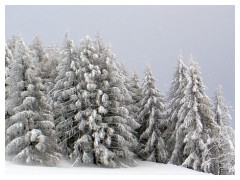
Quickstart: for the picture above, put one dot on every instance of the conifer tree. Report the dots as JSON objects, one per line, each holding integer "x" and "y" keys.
{"x": 195, "y": 128}
{"x": 46, "y": 61}
{"x": 150, "y": 116}
{"x": 14, "y": 80}
{"x": 89, "y": 98}
{"x": 174, "y": 103}
{"x": 133, "y": 102}
{"x": 49, "y": 66}
{"x": 30, "y": 134}
{"x": 64, "y": 98}
{"x": 104, "y": 121}
{"x": 136, "y": 93}
{"x": 225, "y": 138}
{"x": 37, "y": 51}
{"x": 12, "y": 44}
{"x": 8, "y": 61}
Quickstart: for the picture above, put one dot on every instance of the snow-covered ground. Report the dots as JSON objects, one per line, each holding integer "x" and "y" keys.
{"x": 147, "y": 168}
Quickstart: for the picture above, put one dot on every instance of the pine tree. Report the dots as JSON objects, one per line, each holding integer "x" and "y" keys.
{"x": 104, "y": 122}
{"x": 30, "y": 135}
{"x": 174, "y": 103}
{"x": 195, "y": 128}
{"x": 150, "y": 116}
{"x": 64, "y": 97}
{"x": 225, "y": 139}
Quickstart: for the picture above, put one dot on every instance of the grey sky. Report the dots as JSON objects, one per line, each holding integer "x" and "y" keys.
{"x": 142, "y": 35}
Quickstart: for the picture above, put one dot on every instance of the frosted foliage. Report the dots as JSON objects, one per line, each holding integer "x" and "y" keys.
{"x": 150, "y": 116}
{"x": 77, "y": 103}
{"x": 133, "y": 102}
{"x": 226, "y": 138}
{"x": 14, "y": 76}
{"x": 29, "y": 135}
{"x": 194, "y": 127}
{"x": 65, "y": 98}
{"x": 101, "y": 95}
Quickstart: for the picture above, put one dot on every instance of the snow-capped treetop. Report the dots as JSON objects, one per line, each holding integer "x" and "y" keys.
{"x": 37, "y": 50}
{"x": 180, "y": 78}
{"x": 8, "y": 56}
{"x": 222, "y": 115}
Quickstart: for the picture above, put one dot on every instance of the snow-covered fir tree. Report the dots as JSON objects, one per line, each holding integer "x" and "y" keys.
{"x": 8, "y": 60}
{"x": 174, "y": 103}
{"x": 64, "y": 98}
{"x": 13, "y": 81}
{"x": 195, "y": 128}
{"x": 104, "y": 122}
{"x": 150, "y": 116}
{"x": 8, "y": 57}
{"x": 226, "y": 138}
{"x": 38, "y": 55}
{"x": 132, "y": 100}
{"x": 36, "y": 50}
{"x": 12, "y": 44}
{"x": 136, "y": 93}
{"x": 46, "y": 60}
{"x": 49, "y": 66}
{"x": 30, "y": 134}
{"x": 89, "y": 98}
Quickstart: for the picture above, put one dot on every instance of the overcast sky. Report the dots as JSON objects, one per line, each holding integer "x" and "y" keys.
{"x": 142, "y": 35}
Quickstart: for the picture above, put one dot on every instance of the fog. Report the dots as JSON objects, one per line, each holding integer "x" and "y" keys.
{"x": 142, "y": 35}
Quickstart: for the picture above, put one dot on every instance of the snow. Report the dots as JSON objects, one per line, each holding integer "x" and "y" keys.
{"x": 142, "y": 168}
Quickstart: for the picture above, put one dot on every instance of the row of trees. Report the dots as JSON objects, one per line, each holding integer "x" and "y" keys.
{"x": 78, "y": 103}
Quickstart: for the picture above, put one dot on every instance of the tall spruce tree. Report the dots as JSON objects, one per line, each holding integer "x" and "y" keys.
{"x": 89, "y": 97}
{"x": 132, "y": 102}
{"x": 8, "y": 60}
{"x": 225, "y": 138}
{"x": 104, "y": 121}
{"x": 195, "y": 128}
{"x": 64, "y": 98}
{"x": 150, "y": 116}
{"x": 30, "y": 135}
{"x": 136, "y": 93}
{"x": 174, "y": 103}
{"x": 37, "y": 51}
{"x": 14, "y": 80}
{"x": 49, "y": 66}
